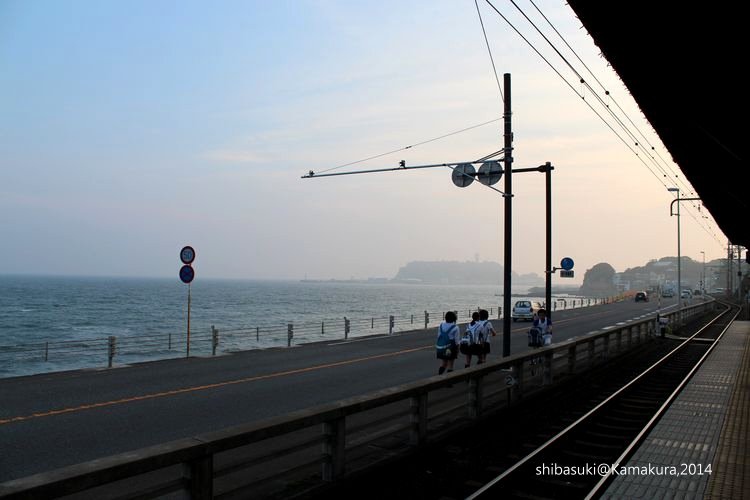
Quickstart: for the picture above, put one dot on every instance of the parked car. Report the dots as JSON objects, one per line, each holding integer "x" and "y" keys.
{"x": 641, "y": 297}
{"x": 525, "y": 309}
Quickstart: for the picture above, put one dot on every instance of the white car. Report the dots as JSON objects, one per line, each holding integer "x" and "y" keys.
{"x": 686, "y": 294}
{"x": 525, "y": 309}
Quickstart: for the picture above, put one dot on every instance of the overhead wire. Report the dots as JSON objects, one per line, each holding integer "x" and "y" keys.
{"x": 608, "y": 94}
{"x": 571, "y": 86}
{"x": 582, "y": 95}
{"x": 411, "y": 146}
{"x": 489, "y": 51}
{"x": 583, "y": 81}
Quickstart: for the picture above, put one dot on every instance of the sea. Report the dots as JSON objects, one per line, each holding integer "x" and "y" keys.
{"x": 60, "y": 323}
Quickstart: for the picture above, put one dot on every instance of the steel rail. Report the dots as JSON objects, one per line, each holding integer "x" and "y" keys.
{"x": 581, "y": 420}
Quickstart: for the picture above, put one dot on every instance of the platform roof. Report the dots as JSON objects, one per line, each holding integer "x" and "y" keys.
{"x": 682, "y": 61}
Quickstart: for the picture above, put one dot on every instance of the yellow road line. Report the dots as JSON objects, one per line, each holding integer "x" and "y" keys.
{"x": 185, "y": 390}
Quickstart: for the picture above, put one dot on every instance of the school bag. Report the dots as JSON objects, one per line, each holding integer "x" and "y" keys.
{"x": 480, "y": 330}
{"x": 468, "y": 337}
{"x": 443, "y": 343}
{"x": 536, "y": 338}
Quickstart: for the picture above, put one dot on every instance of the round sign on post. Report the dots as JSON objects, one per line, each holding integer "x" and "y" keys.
{"x": 463, "y": 175}
{"x": 187, "y": 274}
{"x": 490, "y": 173}
{"x": 187, "y": 255}
{"x": 567, "y": 263}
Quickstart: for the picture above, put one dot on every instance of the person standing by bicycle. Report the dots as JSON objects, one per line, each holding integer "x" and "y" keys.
{"x": 545, "y": 325}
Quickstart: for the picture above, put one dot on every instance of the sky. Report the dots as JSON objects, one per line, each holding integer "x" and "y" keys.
{"x": 130, "y": 129}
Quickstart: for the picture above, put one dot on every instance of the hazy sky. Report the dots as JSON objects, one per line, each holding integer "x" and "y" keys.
{"x": 129, "y": 129}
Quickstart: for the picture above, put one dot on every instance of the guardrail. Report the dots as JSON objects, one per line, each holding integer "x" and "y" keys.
{"x": 309, "y": 448}
{"x": 135, "y": 348}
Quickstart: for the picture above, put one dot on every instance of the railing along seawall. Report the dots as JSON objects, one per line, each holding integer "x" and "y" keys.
{"x": 318, "y": 445}
{"x": 28, "y": 358}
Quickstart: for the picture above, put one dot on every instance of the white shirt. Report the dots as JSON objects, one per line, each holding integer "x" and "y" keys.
{"x": 452, "y": 330}
{"x": 485, "y": 329}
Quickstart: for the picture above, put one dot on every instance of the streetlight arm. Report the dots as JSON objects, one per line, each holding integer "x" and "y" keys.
{"x": 671, "y": 205}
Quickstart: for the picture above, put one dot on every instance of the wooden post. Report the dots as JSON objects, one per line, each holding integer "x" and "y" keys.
{"x": 547, "y": 370}
{"x": 334, "y": 450}
{"x": 475, "y": 396}
{"x": 518, "y": 373}
{"x": 418, "y": 419}
{"x": 289, "y": 334}
{"x": 200, "y": 477}
{"x": 572, "y": 359}
{"x": 111, "y": 349}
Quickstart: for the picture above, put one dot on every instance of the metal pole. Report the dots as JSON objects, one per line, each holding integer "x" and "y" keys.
{"x": 729, "y": 270}
{"x": 679, "y": 263}
{"x": 739, "y": 273}
{"x": 187, "y": 355}
{"x": 508, "y": 164}
{"x": 548, "y": 264}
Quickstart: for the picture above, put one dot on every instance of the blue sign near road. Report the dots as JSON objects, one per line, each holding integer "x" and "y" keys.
{"x": 567, "y": 263}
{"x": 187, "y": 273}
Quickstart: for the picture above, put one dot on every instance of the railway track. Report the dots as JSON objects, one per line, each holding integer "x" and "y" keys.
{"x": 596, "y": 418}
{"x": 577, "y": 461}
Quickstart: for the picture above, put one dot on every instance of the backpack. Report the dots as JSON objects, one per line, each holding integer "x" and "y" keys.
{"x": 480, "y": 330}
{"x": 468, "y": 337}
{"x": 444, "y": 343}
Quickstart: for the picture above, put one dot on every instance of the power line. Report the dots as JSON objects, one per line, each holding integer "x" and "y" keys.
{"x": 489, "y": 51}
{"x": 412, "y": 145}
{"x": 607, "y": 93}
{"x": 582, "y": 96}
{"x": 572, "y": 88}
{"x": 582, "y": 80}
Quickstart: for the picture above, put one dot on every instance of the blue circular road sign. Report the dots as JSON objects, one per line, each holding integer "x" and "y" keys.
{"x": 187, "y": 273}
{"x": 187, "y": 255}
{"x": 567, "y": 263}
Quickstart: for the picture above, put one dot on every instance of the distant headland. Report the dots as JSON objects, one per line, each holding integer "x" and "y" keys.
{"x": 448, "y": 273}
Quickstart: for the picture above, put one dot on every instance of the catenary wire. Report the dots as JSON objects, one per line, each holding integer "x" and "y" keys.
{"x": 609, "y": 95}
{"x": 411, "y": 146}
{"x": 489, "y": 51}
{"x": 586, "y": 101}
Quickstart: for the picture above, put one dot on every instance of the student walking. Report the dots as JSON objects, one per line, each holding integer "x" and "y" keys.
{"x": 483, "y": 332}
{"x": 468, "y": 341}
{"x": 447, "y": 342}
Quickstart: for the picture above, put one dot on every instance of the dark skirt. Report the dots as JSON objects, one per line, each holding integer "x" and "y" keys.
{"x": 451, "y": 352}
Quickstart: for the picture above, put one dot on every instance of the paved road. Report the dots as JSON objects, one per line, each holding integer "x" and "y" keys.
{"x": 52, "y": 420}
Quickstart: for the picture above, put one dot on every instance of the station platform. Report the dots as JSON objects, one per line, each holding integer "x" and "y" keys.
{"x": 699, "y": 449}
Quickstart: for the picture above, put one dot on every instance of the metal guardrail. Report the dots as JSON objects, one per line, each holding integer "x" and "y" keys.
{"x": 131, "y": 348}
{"x": 316, "y": 446}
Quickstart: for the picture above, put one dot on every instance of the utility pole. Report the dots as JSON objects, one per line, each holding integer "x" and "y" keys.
{"x": 729, "y": 270}
{"x": 507, "y": 261}
{"x": 464, "y": 174}
{"x": 548, "y": 261}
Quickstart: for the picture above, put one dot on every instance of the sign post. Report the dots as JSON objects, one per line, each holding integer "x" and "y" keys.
{"x": 566, "y": 271}
{"x": 187, "y": 274}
